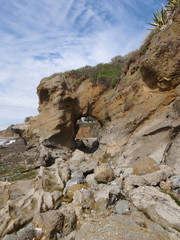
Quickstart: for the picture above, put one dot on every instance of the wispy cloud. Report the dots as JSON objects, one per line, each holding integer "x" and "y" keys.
{"x": 41, "y": 37}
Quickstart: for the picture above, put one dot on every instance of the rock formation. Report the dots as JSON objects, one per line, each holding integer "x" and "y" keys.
{"x": 129, "y": 186}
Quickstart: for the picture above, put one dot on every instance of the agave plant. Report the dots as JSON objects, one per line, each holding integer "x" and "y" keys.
{"x": 159, "y": 18}
{"x": 172, "y": 4}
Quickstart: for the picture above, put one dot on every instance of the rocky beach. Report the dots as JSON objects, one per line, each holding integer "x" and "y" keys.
{"x": 115, "y": 176}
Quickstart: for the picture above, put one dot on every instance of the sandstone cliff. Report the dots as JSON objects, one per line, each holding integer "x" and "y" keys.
{"x": 143, "y": 107}
{"x": 8, "y": 133}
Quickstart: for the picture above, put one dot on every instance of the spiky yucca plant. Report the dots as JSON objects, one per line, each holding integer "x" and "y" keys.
{"x": 172, "y": 4}
{"x": 159, "y": 18}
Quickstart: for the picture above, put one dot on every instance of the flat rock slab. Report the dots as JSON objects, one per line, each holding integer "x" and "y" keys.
{"x": 121, "y": 227}
{"x": 158, "y": 205}
{"x": 145, "y": 166}
{"x": 122, "y": 207}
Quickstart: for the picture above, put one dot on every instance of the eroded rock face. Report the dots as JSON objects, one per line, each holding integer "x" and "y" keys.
{"x": 59, "y": 106}
{"x": 52, "y": 226}
{"x": 160, "y": 207}
{"x": 145, "y": 166}
{"x": 136, "y": 120}
{"x": 154, "y": 68}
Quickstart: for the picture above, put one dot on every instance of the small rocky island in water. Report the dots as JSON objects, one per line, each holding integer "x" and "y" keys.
{"x": 101, "y": 161}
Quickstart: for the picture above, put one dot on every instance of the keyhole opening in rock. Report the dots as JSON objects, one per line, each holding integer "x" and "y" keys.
{"x": 87, "y": 131}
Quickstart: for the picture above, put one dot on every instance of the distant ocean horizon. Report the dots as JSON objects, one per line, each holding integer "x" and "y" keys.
{"x": 2, "y": 141}
{"x": 5, "y": 141}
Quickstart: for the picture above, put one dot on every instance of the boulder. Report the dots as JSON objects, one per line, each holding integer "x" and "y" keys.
{"x": 73, "y": 189}
{"x": 151, "y": 179}
{"x": 91, "y": 181}
{"x": 83, "y": 199}
{"x": 63, "y": 169}
{"x": 127, "y": 172}
{"x": 11, "y": 237}
{"x": 77, "y": 157}
{"x": 88, "y": 167}
{"x": 103, "y": 174}
{"x": 51, "y": 222}
{"x": 77, "y": 177}
{"x": 165, "y": 185}
{"x": 27, "y": 233}
{"x": 145, "y": 166}
{"x": 160, "y": 207}
{"x": 102, "y": 199}
{"x": 107, "y": 195}
{"x": 122, "y": 207}
{"x": 175, "y": 182}
{"x": 70, "y": 219}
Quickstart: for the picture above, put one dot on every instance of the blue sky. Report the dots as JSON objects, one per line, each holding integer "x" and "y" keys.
{"x": 41, "y": 37}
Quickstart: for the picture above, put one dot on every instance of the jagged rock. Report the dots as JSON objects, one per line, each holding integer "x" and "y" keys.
{"x": 76, "y": 172}
{"x": 151, "y": 179}
{"x": 159, "y": 206}
{"x": 165, "y": 185}
{"x": 62, "y": 172}
{"x": 177, "y": 90}
{"x": 172, "y": 157}
{"x": 135, "y": 226}
{"x": 11, "y": 237}
{"x": 103, "y": 174}
{"x": 77, "y": 157}
{"x": 32, "y": 157}
{"x": 87, "y": 145}
{"x": 176, "y": 105}
{"x": 77, "y": 177}
{"x": 83, "y": 199}
{"x": 27, "y": 233}
{"x": 70, "y": 219}
{"x": 58, "y": 205}
{"x": 127, "y": 172}
{"x": 63, "y": 169}
{"x": 107, "y": 195}
{"x": 117, "y": 172}
{"x": 71, "y": 190}
{"x": 175, "y": 182}
{"x": 122, "y": 207}
{"x": 51, "y": 222}
{"x": 102, "y": 199}
{"x": 88, "y": 167}
{"x": 145, "y": 166}
{"x": 91, "y": 181}
{"x": 48, "y": 155}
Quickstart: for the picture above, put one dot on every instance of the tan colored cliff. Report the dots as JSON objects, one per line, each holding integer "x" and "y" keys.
{"x": 145, "y": 100}
{"x": 8, "y": 133}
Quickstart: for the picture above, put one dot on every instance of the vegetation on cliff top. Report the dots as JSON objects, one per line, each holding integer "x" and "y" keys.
{"x": 110, "y": 74}
{"x": 161, "y": 18}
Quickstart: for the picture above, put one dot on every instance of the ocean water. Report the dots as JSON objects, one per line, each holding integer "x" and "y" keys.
{"x": 6, "y": 142}
{"x": 2, "y": 141}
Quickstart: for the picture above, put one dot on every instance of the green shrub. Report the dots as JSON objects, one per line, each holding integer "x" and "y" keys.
{"x": 109, "y": 74}
{"x": 173, "y": 4}
{"x": 103, "y": 74}
{"x": 174, "y": 198}
{"x": 117, "y": 59}
{"x": 159, "y": 18}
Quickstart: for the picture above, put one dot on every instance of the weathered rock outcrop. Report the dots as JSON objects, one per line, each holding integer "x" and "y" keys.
{"x": 147, "y": 126}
